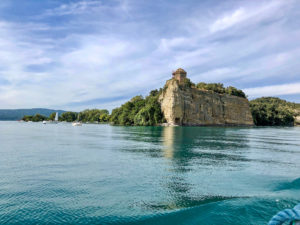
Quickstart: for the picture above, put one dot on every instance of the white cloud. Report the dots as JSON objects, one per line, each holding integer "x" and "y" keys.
{"x": 17, "y": 53}
{"x": 251, "y": 14}
{"x": 228, "y": 20}
{"x": 88, "y": 7}
{"x": 167, "y": 45}
{"x": 222, "y": 73}
{"x": 273, "y": 90}
{"x": 46, "y": 65}
{"x": 73, "y": 8}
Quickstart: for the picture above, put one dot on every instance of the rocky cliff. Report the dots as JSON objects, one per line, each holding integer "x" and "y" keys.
{"x": 185, "y": 105}
{"x": 297, "y": 117}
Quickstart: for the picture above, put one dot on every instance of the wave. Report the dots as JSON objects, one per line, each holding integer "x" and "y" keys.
{"x": 238, "y": 211}
{"x": 293, "y": 185}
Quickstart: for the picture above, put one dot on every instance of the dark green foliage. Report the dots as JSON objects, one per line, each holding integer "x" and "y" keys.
{"x": 68, "y": 116}
{"x": 126, "y": 113}
{"x": 89, "y": 115}
{"x": 104, "y": 118}
{"x": 27, "y": 118}
{"x": 215, "y": 87}
{"x": 52, "y": 116}
{"x": 234, "y": 91}
{"x": 270, "y": 111}
{"x": 139, "y": 111}
{"x": 38, "y": 118}
{"x": 219, "y": 88}
{"x": 188, "y": 83}
{"x": 94, "y": 115}
{"x": 35, "y": 118}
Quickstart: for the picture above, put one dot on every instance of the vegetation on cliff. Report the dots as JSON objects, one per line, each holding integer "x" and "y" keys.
{"x": 214, "y": 87}
{"x": 139, "y": 111}
{"x": 271, "y": 111}
{"x": 219, "y": 88}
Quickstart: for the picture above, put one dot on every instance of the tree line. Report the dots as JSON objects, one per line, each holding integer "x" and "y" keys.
{"x": 271, "y": 111}
{"x": 146, "y": 111}
{"x": 88, "y": 115}
{"x": 138, "y": 111}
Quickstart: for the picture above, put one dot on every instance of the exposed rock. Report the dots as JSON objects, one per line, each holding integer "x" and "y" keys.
{"x": 297, "y": 121}
{"x": 297, "y": 117}
{"x": 184, "y": 105}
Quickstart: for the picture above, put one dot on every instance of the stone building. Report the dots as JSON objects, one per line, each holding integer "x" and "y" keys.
{"x": 179, "y": 75}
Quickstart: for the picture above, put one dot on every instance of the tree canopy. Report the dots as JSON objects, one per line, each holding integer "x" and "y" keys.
{"x": 219, "y": 88}
{"x": 88, "y": 115}
{"x": 270, "y": 111}
{"x": 52, "y": 116}
{"x": 36, "y": 118}
{"x": 94, "y": 115}
{"x": 139, "y": 111}
{"x": 68, "y": 116}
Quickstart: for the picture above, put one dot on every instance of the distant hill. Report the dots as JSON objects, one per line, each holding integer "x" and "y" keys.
{"x": 17, "y": 114}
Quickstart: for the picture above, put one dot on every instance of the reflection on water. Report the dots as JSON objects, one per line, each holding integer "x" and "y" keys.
{"x": 195, "y": 156}
{"x": 183, "y": 144}
{"x": 191, "y": 148}
{"x": 169, "y": 142}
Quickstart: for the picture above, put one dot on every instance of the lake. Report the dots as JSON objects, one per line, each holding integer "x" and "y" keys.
{"x": 101, "y": 174}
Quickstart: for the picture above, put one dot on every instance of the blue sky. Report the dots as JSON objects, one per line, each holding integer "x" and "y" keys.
{"x": 78, "y": 54}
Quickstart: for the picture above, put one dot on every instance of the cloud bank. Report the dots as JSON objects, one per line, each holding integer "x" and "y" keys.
{"x": 97, "y": 54}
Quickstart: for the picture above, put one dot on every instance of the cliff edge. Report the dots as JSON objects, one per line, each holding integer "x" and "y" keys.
{"x": 182, "y": 104}
{"x": 297, "y": 117}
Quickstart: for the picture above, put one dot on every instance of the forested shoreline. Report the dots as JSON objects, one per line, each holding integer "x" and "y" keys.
{"x": 88, "y": 115}
{"x": 271, "y": 111}
{"x": 146, "y": 111}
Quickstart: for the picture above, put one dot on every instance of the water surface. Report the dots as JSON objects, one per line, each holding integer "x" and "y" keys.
{"x": 101, "y": 174}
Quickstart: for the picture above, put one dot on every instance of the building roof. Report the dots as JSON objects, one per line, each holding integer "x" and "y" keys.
{"x": 180, "y": 70}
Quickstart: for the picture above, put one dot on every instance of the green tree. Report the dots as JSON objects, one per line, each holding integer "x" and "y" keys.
{"x": 215, "y": 87}
{"x": 27, "y": 118}
{"x": 68, "y": 116}
{"x": 36, "y": 118}
{"x": 234, "y": 91}
{"x": 139, "y": 111}
{"x": 188, "y": 83}
{"x": 52, "y": 116}
{"x": 219, "y": 88}
{"x": 104, "y": 117}
{"x": 270, "y": 111}
{"x": 92, "y": 115}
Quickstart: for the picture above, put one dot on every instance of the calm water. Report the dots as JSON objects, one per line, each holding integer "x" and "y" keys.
{"x": 99, "y": 174}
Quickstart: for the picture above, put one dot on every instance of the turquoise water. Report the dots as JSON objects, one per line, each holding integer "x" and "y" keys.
{"x": 101, "y": 174}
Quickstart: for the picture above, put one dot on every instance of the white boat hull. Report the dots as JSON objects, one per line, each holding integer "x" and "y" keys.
{"x": 76, "y": 124}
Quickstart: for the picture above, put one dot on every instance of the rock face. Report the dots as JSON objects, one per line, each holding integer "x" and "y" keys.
{"x": 184, "y": 105}
{"x": 297, "y": 121}
{"x": 297, "y": 117}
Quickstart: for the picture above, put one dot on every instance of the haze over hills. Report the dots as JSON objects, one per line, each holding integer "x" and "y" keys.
{"x": 17, "y": 114}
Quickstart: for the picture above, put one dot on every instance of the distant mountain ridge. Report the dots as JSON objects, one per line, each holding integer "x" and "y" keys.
{"x": 17, "y": 114}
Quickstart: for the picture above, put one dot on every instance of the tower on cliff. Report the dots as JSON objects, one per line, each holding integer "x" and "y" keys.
{"x": 179, "y": 75}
